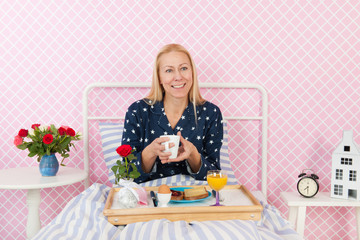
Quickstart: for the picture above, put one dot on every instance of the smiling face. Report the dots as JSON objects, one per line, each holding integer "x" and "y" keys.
{"x": 175, "y": 74}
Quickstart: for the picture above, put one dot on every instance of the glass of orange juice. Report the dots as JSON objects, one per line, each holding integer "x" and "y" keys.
{"x": 217, "y": 179}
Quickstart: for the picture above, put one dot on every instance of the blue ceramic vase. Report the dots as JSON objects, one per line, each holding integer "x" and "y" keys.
{"x": 49, "y": 165}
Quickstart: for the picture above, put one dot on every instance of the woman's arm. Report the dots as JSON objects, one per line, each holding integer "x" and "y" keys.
{"x": 212, "y": 142}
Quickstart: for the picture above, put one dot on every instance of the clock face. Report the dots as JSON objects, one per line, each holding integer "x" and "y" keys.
{"x": 308, "y": 187}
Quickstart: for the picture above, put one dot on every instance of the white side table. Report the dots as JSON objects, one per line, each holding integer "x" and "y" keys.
{"x": 297, "y": 207}
{"x": 29, "y": 178}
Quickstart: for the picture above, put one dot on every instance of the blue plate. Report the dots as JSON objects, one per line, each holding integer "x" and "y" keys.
{"x": 181, "y": 189}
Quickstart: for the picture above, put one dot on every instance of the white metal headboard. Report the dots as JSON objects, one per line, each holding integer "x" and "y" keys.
{"x": 263, "y": 118}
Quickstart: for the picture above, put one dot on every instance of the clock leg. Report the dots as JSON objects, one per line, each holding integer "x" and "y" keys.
{"x": 33, "y": 221}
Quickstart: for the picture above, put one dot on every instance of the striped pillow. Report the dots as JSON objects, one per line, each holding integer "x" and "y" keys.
{"x": 111, "y": 134}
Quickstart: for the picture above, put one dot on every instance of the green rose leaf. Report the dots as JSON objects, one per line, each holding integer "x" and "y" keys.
{"x": 22, "y": 146}
{"x": 134, "y": 174}
{"x": 53, "y": 128}
{"x": 32, "y": 154}
{"x": 131, "y": 157}
{"x": 115, "y": 169}
{"x": 122, "y": 169}
{"x": 64, "y": 143}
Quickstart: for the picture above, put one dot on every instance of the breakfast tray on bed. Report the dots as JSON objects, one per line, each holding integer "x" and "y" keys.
{"x": 238, "y": 203}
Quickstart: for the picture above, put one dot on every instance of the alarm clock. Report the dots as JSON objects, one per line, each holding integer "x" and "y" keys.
{"x": 308, "y": 185}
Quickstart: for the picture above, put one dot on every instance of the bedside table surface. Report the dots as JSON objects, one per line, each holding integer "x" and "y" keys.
{"x": 30, "y": 178}
{"x": 321, "y": 199}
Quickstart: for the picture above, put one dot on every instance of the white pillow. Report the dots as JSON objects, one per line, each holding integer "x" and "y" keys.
{"x": 111, "y": 134}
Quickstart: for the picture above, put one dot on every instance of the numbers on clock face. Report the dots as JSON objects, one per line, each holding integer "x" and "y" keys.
{"x": 307, "y": 187}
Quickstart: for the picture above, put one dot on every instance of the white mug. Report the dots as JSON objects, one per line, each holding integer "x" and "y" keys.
{"x": 174, "y": 150}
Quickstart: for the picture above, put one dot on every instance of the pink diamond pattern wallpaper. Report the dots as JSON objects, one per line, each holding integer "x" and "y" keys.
{"x": 305, "y": 53}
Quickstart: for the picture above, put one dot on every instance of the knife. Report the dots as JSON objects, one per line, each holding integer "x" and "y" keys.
{"x": 152, "y": 194}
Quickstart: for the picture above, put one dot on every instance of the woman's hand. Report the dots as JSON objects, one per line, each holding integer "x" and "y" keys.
{"x": 188, "y": 151}
{"x": 153, "y": 150}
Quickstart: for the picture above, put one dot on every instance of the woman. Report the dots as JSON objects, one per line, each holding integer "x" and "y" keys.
{"x": 174, "y": 107}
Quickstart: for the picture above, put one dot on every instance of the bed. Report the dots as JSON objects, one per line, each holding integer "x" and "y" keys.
{"x": 244, "y": 107}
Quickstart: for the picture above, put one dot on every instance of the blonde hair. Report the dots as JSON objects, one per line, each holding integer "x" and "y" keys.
{"x": 157, "y": 91}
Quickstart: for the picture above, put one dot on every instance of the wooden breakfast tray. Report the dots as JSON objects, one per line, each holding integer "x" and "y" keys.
{"x": 238, "y": 200}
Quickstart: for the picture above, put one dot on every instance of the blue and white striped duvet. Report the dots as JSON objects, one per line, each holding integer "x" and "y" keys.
{"x": 82, "y": 218}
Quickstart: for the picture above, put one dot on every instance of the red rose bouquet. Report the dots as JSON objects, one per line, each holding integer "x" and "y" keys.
{"x": 122, "y": 168}
{"x": 43, "y": 140}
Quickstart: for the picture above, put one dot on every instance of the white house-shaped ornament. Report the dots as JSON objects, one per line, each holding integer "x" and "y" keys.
{"x": 345, "y": 171}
